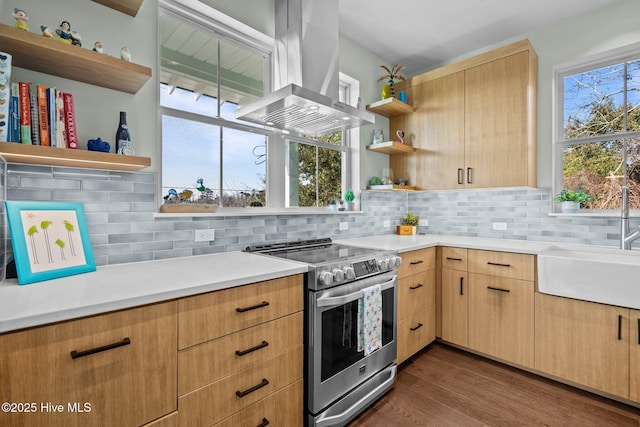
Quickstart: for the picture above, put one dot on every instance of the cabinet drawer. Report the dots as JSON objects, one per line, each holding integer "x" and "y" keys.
{"x": 170, "y": 420}
{"x": 416, "y": 293}
{"x": 283, "y": 408}
{"x": 415, "y": 332}
{"x": 205, "y": 363}
{"x": 454, "y": 258}
{"x": 502, "y": 264}
{"x": 219, "y": 400}
{"x": 128, "y": 379}
{"x": 205, "y": 317}
{"x": 416, "y": 261}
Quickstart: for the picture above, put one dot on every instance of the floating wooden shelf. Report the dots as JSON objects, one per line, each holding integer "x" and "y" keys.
{"x": 130, "y": 7}
{"x": 391, "y": 147}
{"x": 390, "y": 107}
{"x": 393, "y": 187}
{"x": 41, "y": 155}
{"x": 35, "y": 52}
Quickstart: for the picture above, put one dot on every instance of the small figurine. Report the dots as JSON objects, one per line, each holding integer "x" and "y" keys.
{"x": 97, "y": 47}
{"x": 47, "y": 32}
{"x": 98, "y": 145}
{"x": 400, "y": 135}
{"x": 64, "y": 32}
{"x": 76, "y": 39}
{"x": 125, "y": 54}
{"x": 21, "y": 19}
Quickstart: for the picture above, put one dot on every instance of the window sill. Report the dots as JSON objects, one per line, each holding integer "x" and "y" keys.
{"x": 224, "y": 212}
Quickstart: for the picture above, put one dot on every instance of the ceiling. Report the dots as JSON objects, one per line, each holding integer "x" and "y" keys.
{"x": 423, "y": 34}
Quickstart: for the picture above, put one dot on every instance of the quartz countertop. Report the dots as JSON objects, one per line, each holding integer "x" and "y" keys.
{"x": 121, "y": 286}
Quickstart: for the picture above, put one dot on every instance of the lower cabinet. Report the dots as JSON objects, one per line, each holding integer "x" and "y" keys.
{"x": 115, "y": 369}
{"x": 634, "y": 356}
{"x": 454, "y": 294}
{"x": 416, "y": 302}
{"x": 586, "y": 343}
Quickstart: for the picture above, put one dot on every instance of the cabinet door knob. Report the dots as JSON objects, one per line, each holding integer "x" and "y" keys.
{"x": 461, "y": 289}
{"x": 619, "y": 327}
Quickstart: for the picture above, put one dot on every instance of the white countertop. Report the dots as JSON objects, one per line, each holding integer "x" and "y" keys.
{"x": 120, "y": 286}
{"x": 398, "y": 243}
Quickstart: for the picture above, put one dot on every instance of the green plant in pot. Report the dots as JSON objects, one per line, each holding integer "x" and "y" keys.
{"x": 572, "y": 199}
{"x": 349, "y": 197}
{"x": 408, "y": 224}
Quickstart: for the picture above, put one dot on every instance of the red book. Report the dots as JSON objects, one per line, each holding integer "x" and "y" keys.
{"x": 70, "y": 121}
{"x": 43, "y": 113}
{"x": 25, "y": 113}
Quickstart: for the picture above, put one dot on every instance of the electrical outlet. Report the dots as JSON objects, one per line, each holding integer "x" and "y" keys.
{"x": 386, "y": 223}
{"x": 500, "y": 226}
{"x": 205, "y": 235}
{"x": 423, "y": 222}
{"x": 344, "y": 226}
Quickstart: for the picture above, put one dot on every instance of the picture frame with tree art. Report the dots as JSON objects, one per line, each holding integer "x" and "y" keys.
{"x": 49, "y": 240}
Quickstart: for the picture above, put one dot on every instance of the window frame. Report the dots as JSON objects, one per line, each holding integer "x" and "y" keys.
{"x": 209, "y": 20}
{"x": 592, "y": 62}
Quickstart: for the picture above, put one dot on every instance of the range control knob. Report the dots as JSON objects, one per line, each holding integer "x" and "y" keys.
{"x": 338, "y": 275}
{"x": 349, "y": 273}
{"x": 383, "y": 263}
{"x": 326, "y": 278}
{"x": 397, "y": 261}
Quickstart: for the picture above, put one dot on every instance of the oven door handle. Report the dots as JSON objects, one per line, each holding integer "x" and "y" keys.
{"x": 343, "y": 299}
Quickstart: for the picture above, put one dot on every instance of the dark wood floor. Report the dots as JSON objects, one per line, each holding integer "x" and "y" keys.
{"x": 443, "y": 386}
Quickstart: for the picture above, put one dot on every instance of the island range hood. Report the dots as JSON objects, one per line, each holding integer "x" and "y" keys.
{"x": 306, "y": 74}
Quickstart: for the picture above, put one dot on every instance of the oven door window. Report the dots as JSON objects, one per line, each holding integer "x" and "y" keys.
{"x": 340, "y": 334}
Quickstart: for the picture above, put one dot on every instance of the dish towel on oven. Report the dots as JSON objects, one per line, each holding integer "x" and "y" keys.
{"x": 370, "y": 320}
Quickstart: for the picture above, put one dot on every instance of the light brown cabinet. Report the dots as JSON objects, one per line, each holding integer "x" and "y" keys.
{"x": 122, "y": 364}
{"x": 416, "y": 302}
{"x": 454, "y": 296}
{"x": 585, "y": 343}
{"x": 474, "y": 124}
{"x": 634, "y": 356}
{"x": 501, "y": 305}
{"x": 240, "y": 355}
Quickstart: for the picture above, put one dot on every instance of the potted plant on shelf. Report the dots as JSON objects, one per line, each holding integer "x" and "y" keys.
{"x": 571, "y": 200}
{"x": 349, "y": 196}
{"x": 408, "y": 225}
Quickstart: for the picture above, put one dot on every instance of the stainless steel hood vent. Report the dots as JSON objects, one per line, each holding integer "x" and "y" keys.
{"x": 306, "y": 74}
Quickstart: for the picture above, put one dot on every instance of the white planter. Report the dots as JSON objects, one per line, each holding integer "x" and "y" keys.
{"x": 570, "y": 207}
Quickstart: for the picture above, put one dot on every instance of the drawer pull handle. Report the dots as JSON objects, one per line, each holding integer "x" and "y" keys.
{"x": 252, "y": 349}
{"x": 416, "y": 262}
{"x": 253, "y": 307}
{"x": 264, "y": 423}
{"x": 420, "y": 325}
{"x": 469, "y": 176}
{"x": 77, "y": 354}
{"x": 454, "y": 259}
{"x": 638, "y": 331}
{"x": 461, "y": 289}
{"x": 264, "y": 382}
{"x": 619, "y": 327}
{"x": 418, "y": 286}
{"x": 498, "y": 289}
{"x": 460, "y": 176}
{"x": 498, "y": 264}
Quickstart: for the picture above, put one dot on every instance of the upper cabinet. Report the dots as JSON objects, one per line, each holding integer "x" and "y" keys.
{"x": 130, "y": 7}
{"x": 474, "y": 124}
{"x": 35, "y": 52}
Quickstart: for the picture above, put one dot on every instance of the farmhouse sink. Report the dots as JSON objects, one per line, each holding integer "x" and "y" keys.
{"x": 604, "y": 275}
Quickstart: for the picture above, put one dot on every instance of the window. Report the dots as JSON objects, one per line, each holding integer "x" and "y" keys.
{"x": 597, "y": 128}
{"x": 205, "y": 150}
{"x": 207, "y": 70}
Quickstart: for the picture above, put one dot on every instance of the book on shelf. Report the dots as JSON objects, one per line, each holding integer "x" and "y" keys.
{"x": 70, "y": 121}
{"x": 25, "y": 113}
{"x": 35, "y": 117}
{"x": 61, "y": 130}
{"x": 43, "y": 115}
{"x": 51, "y": 114}
{"x": 14, "y": 113}
{"x": 5, "y": 96}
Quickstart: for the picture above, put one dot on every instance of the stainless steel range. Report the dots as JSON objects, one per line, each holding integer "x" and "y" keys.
{"x": 350, "y": 325}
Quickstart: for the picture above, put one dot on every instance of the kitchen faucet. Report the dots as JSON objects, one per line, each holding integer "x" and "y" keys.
{"x": 626, "y": 237}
